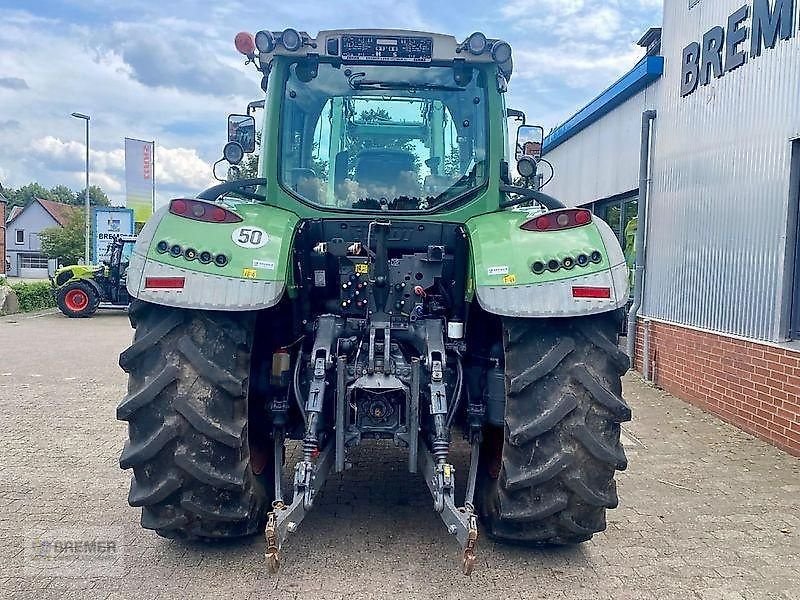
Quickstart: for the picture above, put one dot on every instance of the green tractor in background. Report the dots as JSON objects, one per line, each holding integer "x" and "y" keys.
{"x": 81, "y": 289}
{"x": 381, "y": 279}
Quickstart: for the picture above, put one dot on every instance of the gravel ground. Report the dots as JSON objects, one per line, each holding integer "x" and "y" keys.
{"x": 707, "y": 511}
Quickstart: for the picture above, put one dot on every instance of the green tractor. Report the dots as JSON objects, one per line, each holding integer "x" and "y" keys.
{"x": 81, "y": 289}
{"x": 381, "y": 279}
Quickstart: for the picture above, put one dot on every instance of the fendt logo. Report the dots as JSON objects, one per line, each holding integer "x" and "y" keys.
{"x": 720, "y": 53}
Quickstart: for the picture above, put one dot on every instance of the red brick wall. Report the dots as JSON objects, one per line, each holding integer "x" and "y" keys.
{"x": 753, "y": 386}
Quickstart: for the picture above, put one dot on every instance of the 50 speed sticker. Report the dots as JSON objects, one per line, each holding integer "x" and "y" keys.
{"x": 249, "y": 237}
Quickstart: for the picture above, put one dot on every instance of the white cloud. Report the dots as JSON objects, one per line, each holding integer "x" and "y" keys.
{"x": 181, "y": 167}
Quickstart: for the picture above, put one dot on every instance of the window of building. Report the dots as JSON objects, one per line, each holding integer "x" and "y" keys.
{"x": 620, "y": 213}
{"x": 33, "y": 261}
{"x": 794, "y": 325}
{"x": 20, "y": 236}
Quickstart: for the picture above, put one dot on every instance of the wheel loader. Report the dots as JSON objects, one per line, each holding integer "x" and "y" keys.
{"x": 381, "y": 278}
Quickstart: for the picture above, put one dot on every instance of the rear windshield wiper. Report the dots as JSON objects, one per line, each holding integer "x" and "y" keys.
{"x": 362, "y": 84}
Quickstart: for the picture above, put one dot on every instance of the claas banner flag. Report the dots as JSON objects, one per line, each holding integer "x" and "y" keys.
{"x": 140, "y": 178}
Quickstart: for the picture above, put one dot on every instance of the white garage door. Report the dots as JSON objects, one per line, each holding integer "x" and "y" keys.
{"x": 33, "y": 266}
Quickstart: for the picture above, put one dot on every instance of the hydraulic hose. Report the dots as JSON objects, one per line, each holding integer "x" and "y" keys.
{"x": 296, "y": 381}
{"x": 451, "y": 415}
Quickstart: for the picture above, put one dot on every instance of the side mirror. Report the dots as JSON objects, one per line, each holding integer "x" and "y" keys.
{"x": 242, "y": 130}
{"x": 529, "y": 141}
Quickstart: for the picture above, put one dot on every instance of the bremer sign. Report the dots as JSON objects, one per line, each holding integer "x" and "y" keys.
{"x": 724, "y": 50}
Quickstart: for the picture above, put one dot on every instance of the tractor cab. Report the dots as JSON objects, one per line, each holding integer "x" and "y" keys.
{"x": 379, "y": 120}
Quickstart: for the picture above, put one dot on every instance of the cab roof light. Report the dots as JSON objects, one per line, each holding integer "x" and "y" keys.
{"x": 476, "y": 43}
{"x": 198, "y": 210}
{"x": 592, "y": 293}
{"x": 265, "y": 41}
{"x": 501, "y": 52}
{"x": 291, "y": 40}
{"x": 559, "y": 220}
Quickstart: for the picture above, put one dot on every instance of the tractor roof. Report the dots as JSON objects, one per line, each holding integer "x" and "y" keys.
{"x": 377, "y": 46}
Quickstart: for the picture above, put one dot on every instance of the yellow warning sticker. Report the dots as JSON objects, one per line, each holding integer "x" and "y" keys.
{"x": 510, "y": 279}
{"x": 249, "y": 273}
{"x": 362, "y": 268}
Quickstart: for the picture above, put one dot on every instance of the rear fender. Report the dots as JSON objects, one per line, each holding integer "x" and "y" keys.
{"x": 505, "y": 283}
{"x": 72, "y": 273}
{"x": 255, "y": 276}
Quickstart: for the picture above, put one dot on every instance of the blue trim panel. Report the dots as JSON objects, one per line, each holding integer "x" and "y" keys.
{"x": 646, "y": 72}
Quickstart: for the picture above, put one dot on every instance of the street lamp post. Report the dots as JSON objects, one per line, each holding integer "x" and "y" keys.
{"x": 87, "y": 256}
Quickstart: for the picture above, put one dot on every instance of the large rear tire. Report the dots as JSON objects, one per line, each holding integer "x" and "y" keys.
{"x": 554, "y": 478}
{"x": 187, "y": 414}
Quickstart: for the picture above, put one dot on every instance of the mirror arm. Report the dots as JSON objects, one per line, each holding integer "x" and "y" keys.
{"x": 253, "y": 106}
{"x": 548, "y": 202}
{"x": 213, "y": 193}
{"x": 513, "y": 113}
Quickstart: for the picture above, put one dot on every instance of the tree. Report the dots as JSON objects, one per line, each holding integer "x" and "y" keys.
{"x": 26, "y": 194}
{"x": 61, "y": 193}
{"x": 66, "y": 243}
{"x": 97, "y": 197}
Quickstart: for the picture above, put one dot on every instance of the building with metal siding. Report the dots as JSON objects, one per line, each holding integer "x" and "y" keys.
{"x": 721, "y": 225}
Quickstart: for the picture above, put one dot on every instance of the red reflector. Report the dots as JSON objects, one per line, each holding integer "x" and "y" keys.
{"x": 197, "y": 210}
{"x": 218, "y": 214}
{"x": 603, "y": 293}
{"x": 582, "y": 217}
{"x": 559, "y": 220}
{"x": 164, "y": 283}
{"x": 178, "y": 207}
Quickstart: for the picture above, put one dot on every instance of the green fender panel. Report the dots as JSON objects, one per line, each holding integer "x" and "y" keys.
{"x": 73, "y": 273}
{"x": 253, "y": 275}
{"x": 503, "y": 255}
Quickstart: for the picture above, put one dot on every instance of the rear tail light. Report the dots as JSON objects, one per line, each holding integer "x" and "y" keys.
{"x": 559, "y": 220}
{"x": 197, "y": 210}
{"x": 164, "y": 283}
{"x": 596, "y": 293}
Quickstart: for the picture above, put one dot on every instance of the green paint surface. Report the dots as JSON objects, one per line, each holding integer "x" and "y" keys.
{"x": 217, "y": 238}
{"x": 503, "y": 253}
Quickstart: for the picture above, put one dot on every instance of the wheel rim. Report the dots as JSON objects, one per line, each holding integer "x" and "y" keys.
{"x": 76, "y": 300}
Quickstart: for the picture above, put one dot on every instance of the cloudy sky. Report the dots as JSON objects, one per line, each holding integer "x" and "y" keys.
{"x": 168, "y": 71}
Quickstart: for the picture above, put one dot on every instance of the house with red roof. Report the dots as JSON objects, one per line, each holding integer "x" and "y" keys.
{"x": 23, "y": 248}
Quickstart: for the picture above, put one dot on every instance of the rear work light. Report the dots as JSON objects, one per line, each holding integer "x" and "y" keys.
{"x": 197, "y": 210}
{"x": 594, "y": 293}
{"x": 164, "y": 283}
{"x": 559, "y": 220}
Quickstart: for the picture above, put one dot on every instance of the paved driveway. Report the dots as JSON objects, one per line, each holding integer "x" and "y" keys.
{"x": 707, "y": 511}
